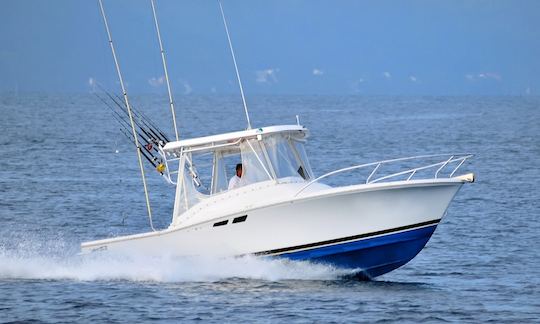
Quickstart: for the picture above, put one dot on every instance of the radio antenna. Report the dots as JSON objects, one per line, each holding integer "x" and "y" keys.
{"x": 126, "y": 101}
{"x": 235, "y": 65}
{"x": 171, "y": 103}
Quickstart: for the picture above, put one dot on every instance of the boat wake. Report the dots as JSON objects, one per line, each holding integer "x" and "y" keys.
{"x": 36, "y": 265}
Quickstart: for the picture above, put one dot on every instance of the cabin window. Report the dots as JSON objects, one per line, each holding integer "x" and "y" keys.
{"x": 189, "y": 184}
{"x": 287, "y": 157}
{"x": 224, "y": 168}
{"x": 300, "y": 153}
{"x": 255, "y": 167}
{"x": 281, "y": 157}
{"x": 200, "y": 169}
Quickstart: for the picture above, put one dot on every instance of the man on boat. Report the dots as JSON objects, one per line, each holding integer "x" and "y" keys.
{"x": 235, "y": 181}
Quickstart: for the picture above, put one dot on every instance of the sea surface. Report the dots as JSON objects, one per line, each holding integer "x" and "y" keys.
{"x": 68, "y": 175}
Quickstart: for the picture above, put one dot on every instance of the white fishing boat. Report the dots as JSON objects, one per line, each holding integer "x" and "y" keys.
{"x": 278, "y": 208}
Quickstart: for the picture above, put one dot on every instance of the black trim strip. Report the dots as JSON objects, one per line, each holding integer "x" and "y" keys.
{"x": 221, "y": 223}
{"x": 349, "y": 238}
{"x": 239, "y": 219}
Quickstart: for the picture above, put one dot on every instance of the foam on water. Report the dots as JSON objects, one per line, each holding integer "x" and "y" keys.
{"x": 25, "y": 264}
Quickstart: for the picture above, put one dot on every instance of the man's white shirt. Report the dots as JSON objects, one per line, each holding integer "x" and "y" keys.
{"x": 234, "y": 182}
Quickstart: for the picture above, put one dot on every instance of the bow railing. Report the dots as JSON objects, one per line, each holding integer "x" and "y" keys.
{"x": 450, "y": 159}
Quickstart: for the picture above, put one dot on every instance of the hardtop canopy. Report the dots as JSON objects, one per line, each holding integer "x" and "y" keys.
{"x": 213, "y": 142}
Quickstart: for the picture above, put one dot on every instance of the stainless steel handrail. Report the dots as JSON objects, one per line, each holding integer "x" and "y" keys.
{"x": 442, "y": 166}
{"x": 453, "y": 158}
{"x": 413, "y": 171}
{"x": 456, "y": 168}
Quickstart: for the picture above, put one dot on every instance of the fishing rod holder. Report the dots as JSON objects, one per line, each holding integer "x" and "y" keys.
{"x": 167, "y": 159}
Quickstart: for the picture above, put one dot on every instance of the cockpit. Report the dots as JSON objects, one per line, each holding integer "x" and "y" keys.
{"x": 206, "y": 164}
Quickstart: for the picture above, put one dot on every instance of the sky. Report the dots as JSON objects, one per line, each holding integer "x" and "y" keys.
{"x": 410, "y": 47}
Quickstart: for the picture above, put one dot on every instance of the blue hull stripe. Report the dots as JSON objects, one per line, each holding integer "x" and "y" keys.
{"x": 370, "y": 256}
{"x": 348, "y": 238}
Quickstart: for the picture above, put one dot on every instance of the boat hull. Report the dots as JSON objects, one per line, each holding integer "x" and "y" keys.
{"x": 372, "y": 229}
{"x": 373, "y": 256}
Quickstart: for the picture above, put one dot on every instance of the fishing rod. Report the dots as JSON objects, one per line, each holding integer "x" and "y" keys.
{"x": 151, "y": 123}
{"x": 148, "y": 146}
{"x": 125, "y": 125}
{"x": 157, "y": 139}
{"x": 122, "y": 122}
{"x": 160, "y": 167}
{"x": 156, "y": 162}
{"x": 146, "y": 121}
{"x": 130, "y": 138}
{"x": 140, "y": 116}
{"x": 151, "y": 159}
{"x": 139, "y": 127}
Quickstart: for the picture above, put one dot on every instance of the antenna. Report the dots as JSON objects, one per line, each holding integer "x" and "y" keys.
{"x": 165, "y": 68}
{"x": 129, "y": 113}
{"x": 235, "y": 66}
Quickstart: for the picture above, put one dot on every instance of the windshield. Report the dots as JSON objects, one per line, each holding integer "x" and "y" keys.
{"x": 272, "y": 157}
{"x": 285, "y": 158}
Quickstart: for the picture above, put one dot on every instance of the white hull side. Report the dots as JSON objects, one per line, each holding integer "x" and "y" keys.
{"x": 320, "y": 216}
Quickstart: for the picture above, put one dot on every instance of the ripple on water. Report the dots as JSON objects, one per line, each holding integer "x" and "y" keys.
{"x": 68, "y": 186}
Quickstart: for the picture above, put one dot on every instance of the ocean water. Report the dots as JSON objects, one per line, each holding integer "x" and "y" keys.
{"x": 68, "y": 175}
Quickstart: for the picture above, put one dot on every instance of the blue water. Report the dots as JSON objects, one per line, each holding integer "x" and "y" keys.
{"x": 67, "y": 175}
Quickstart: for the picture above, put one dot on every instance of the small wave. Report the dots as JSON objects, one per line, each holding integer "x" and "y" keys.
{"x": 17, "y": 265}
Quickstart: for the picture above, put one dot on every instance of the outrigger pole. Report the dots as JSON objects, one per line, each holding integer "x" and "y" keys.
{"x": 129, "y": 113}
{"x": 165, "y": 68}
{"x": 235, "y": 65}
